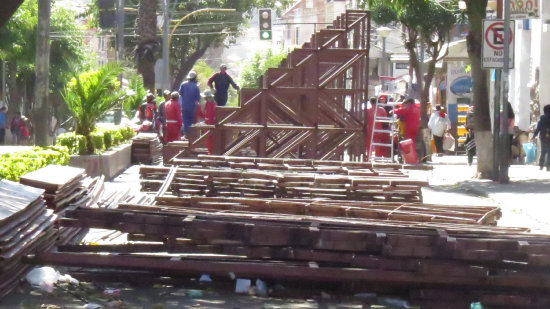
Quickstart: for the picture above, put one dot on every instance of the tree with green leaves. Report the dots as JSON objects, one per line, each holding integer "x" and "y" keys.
{"x": 91, "y": 94}
{"x": 427, "y": 24}
{"x": 18, "y": 49}
{"x": 257, "y": 65}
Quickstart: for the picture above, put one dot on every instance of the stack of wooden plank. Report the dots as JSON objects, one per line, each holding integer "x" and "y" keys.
{"x": 172, "y": 149}
{"x": 437, "y": 264}
{"x": 230, "y": 182}
{"x": 26, "y": 227}
{"x": 393, "y": 211}
{"x": 146, "y": 149}
{"x": 65, "y": 188}
{"x": 299, "y": 165}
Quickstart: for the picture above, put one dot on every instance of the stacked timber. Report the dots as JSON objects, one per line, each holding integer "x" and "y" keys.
{"x": 299, "y": 165}
{"x": 392, "y": 211}
{"x": 437, "y": 264}
{"x": 65, "y": 188}
{"x": 26, "y": 227}
{"x": 228, "y": 182}
{"x": 172, "y": 149}
{"x": 146, "y": 149}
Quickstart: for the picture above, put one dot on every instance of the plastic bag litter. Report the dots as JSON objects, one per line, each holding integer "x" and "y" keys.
{"x": 448, "y": 142}
{"x": 43, "y": 277}
{"x": 260, "y": 288}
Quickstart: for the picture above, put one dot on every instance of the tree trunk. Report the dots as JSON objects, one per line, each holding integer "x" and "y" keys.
{"x": 476, "y": 10}
{"x": 145, "y": 51}
{"x": 14, "y": 98}
{"x": 187, "y": 64}
{"x": 41, "y": 113}
{"x": 9, "y": 7}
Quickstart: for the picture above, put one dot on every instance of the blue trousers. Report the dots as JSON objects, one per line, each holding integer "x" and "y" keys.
{"x": 188, "y": 116}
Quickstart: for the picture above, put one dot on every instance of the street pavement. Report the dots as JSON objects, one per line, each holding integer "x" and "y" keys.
{"x": 525, "y": 201}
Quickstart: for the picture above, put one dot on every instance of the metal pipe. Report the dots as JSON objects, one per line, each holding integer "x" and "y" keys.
{"x": 504, "y": 139}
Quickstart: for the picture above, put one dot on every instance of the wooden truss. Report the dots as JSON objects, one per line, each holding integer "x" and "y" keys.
{"x": 309, "y": 107}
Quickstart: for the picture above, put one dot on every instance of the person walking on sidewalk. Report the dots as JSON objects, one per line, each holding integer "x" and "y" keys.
{"x": 470, "y": 142}
{"x": 543, "y": 128}
{"x": 221, "y": 81}
{"x": 172, "y": 118}
{"x": 190, "y": 97}
{"x": 440, "y": 124}
{"x": 3, "y": 125}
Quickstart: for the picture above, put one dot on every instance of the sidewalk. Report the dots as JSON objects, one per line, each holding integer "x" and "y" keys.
{"x": 524, "y": 201}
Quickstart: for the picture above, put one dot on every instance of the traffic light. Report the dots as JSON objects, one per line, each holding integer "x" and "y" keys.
{"x": 265, "y": 24}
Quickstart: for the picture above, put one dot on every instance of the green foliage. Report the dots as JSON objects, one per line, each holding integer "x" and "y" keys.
{"x": 107, "y": 138}
{"x": 89, "y": 95}
{"x": 118, "y": 138}
{"x": 75, "y": 143}
{"x": 203, "y": 72}
{"x": 256, "y": 67}
{"x": 126, "y": 132}
{"x": 383, "y": 14}
{"x": 18, "y": 45}
{"x": 98, "y": 141}
{"x": 135, "y": 97}
{"x": 16, "y": 164}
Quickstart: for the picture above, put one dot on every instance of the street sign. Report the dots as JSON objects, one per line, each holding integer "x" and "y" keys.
{"x": 493, "y": 44}
{"x": 523, "y": 9}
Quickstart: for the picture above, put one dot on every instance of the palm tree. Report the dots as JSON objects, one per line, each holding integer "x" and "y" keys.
{"x": 136, "y": 95}
{"x": 148, "y": 45}
{"x": 89, "y": 95}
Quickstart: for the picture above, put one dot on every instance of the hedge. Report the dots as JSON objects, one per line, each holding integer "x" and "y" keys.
{"x": 102, "y": 138}
{"x": 16, "y": 164}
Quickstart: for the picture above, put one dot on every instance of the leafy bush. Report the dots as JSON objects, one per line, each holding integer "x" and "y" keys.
{"x": 118, "y": 138}
{"x": 97, "y": 141}
{"x": 16, "y": 164}
{"x": 75, "y": 143}
{"x": 108, "y": 138}
{"x": 127, "y": 133}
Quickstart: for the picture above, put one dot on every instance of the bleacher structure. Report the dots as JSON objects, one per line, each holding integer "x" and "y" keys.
{"x": 309, "y": 107}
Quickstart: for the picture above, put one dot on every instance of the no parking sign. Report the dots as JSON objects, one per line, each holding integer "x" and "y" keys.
{"x": 493, "y": 44}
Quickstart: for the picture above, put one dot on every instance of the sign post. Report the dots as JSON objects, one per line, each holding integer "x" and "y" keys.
{"x": 493, "y": 44}
{"x": 505, "y": 147}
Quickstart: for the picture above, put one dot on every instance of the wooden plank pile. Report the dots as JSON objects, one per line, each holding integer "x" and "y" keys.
{"x": 172, "y": 149}
{"x": 437, "y": 264}
{"x": 228, "y": 182}
{"x": 299, "y": 165}
{"x": 392, "y": 211}
{"x": 65, "y": 188}
{"x": 26, "y": 227}
{"x": 146, "y": 149}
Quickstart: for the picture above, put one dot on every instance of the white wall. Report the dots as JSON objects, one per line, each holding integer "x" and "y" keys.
{"x": 543, "y": 48}
{"x": 518, "y": 93}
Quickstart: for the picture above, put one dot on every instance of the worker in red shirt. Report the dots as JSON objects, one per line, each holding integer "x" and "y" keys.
{"x": 172, "y": 118}
{"x": 207, "y": 111}
{"x": 410, "y": 115}
{"x": 378, "y": 137}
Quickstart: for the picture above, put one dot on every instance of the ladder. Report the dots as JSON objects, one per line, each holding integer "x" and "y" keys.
{"x": 391, "y": 131}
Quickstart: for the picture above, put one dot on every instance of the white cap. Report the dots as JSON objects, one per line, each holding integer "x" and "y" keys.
{"x": 191, "y": 75}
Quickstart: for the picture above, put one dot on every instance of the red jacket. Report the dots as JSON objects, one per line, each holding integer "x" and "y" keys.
{"x": 208, "y": 114}
{"x": 172, "y": 113}
{"x": 411, "y": 117}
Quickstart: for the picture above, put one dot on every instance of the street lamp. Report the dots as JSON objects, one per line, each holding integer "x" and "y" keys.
{"x": 383, "y": 32}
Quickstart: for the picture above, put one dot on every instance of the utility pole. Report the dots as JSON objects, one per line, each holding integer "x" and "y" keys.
{"x": 504, "y": 136}
{"x": 165, "y": 47}
{"x": 119, "y": 49}
{"x": 41, "y": 114}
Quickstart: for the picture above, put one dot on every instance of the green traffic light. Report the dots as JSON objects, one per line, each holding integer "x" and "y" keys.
{"x": 265, "y": 35}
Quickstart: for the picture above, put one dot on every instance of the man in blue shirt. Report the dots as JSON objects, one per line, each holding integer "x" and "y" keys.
{"x": 190, "y": 97}
{"x": 3, "y": 123}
